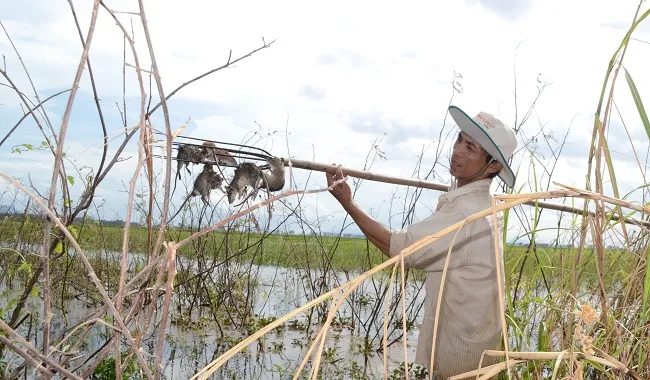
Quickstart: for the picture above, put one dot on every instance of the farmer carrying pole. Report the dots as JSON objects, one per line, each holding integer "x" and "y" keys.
{"x": 469, "y": 320}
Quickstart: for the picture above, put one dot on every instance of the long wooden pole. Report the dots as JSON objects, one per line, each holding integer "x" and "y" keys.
{"x": 326, "y": 168}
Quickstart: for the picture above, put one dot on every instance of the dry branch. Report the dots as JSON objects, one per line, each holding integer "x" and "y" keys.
{"x": 58, "y": 158}
{"x": 30, "y": 112}
{"x": 35, "y": 352}
{"x": 228, "y": 64}
{"x": 554, "y": 355}
{"x": 487, "y": 370}
{"x": 28, "y": 358}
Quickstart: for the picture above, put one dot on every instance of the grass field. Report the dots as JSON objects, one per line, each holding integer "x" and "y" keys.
{"x": 305, "y": 251}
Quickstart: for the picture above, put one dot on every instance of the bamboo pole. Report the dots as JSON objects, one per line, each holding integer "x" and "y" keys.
{"x": 431, "y": 185}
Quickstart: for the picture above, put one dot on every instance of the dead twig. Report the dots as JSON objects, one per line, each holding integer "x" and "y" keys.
{"x": 132, "y": 183}
{"x": 30, "y": 112}
{"x": 28, "y": 358}
{"x": 33, "y": 351}
{"x": 228, "y": 64}
{"x": 58, "y": 157}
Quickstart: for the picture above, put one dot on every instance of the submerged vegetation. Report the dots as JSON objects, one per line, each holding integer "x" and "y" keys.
{"x": 93, "y": 300}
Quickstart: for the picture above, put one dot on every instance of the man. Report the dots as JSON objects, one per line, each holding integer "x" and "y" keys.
{"x": 469, "y": 320}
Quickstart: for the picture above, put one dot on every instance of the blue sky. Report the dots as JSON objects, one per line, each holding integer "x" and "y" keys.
{"x": 337, "y": 78}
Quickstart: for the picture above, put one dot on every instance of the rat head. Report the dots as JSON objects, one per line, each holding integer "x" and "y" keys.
{"x": 215, "y": 180}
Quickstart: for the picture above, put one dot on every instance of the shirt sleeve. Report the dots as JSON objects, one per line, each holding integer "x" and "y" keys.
{"x": 432, "y": 256}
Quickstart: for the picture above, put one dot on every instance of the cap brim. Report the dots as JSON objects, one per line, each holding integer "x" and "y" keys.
{"x": 467, "y": 125}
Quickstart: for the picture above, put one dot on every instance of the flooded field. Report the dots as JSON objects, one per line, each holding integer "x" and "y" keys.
{"x": 194, "y": 340}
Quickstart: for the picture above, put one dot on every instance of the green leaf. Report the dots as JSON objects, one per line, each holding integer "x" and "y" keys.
{"x": 58, "y": 248}
{"x": 637, "y": 100}
{"x": 71, "y": 180}
{"x": 25, "y": 267}
{"x": 44, "y": 143}
{"x": 74, "y": 232}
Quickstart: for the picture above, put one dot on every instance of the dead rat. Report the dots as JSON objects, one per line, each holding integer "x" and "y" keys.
{"x": 274, "y": 179}
{"x": 219, "y": 156}
{"x": 249, "y": 175}
{"x": 184, "y": 156}
{"x": 206, "y": 181}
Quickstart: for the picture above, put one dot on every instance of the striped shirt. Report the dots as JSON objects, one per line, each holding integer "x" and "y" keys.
{"x": 469, "y": 320}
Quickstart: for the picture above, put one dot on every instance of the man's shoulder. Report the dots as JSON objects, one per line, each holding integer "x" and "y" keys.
{"x": 470, "y": 201}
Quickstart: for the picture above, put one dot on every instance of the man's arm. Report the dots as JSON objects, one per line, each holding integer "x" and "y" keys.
{"x": 377, "y": 233}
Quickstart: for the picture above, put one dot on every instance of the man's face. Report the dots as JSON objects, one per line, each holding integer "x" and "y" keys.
{"x": 468, "y": 157}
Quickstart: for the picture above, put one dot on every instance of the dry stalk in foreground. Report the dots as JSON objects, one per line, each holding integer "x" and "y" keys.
{"x": 58, "y": 162}
{"x": 33, "y": 351}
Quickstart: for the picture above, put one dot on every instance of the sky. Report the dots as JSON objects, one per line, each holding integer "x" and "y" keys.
{"x": 339, "y": 78}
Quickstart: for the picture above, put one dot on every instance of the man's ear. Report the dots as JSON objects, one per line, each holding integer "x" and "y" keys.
{"x": 494, "y": 166}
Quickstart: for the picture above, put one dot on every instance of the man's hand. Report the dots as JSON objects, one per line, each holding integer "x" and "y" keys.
{"x": 376, "y": 232}
{"x": 342, "y": 191}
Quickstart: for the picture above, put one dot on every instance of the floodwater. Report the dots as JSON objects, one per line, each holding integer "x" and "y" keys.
{"x": 278, "y": 354}
{"x": 277, "y": 291}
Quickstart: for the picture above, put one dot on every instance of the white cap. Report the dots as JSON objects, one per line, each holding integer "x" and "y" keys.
{"x": 497, "y": 138}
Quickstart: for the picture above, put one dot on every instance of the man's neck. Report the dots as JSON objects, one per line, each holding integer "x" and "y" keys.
{"x": 460, "y": 182}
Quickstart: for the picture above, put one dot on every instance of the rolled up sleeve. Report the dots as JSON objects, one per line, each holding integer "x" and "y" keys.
{"x": 432, "y": 256}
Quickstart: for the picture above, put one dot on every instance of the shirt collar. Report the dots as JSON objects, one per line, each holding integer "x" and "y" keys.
{"x": 454, "y": 192}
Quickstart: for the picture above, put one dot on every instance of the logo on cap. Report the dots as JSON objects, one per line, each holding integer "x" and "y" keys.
{"x": 485, "y": 121}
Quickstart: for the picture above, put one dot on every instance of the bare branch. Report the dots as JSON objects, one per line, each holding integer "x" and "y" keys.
{"x": 228, "y": 64}
{"x": 31, "y": 349}
{"x": 31, "y": 111}
{"x": 28, "y": 358}
{"x": 58, "y": 157}
{"x": 29, "y": 77}
{"x": 94, "y": 87}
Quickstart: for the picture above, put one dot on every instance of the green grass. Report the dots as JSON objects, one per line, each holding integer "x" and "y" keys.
{"x": 281, "y": 250}
{"x": 298, "y": 251}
